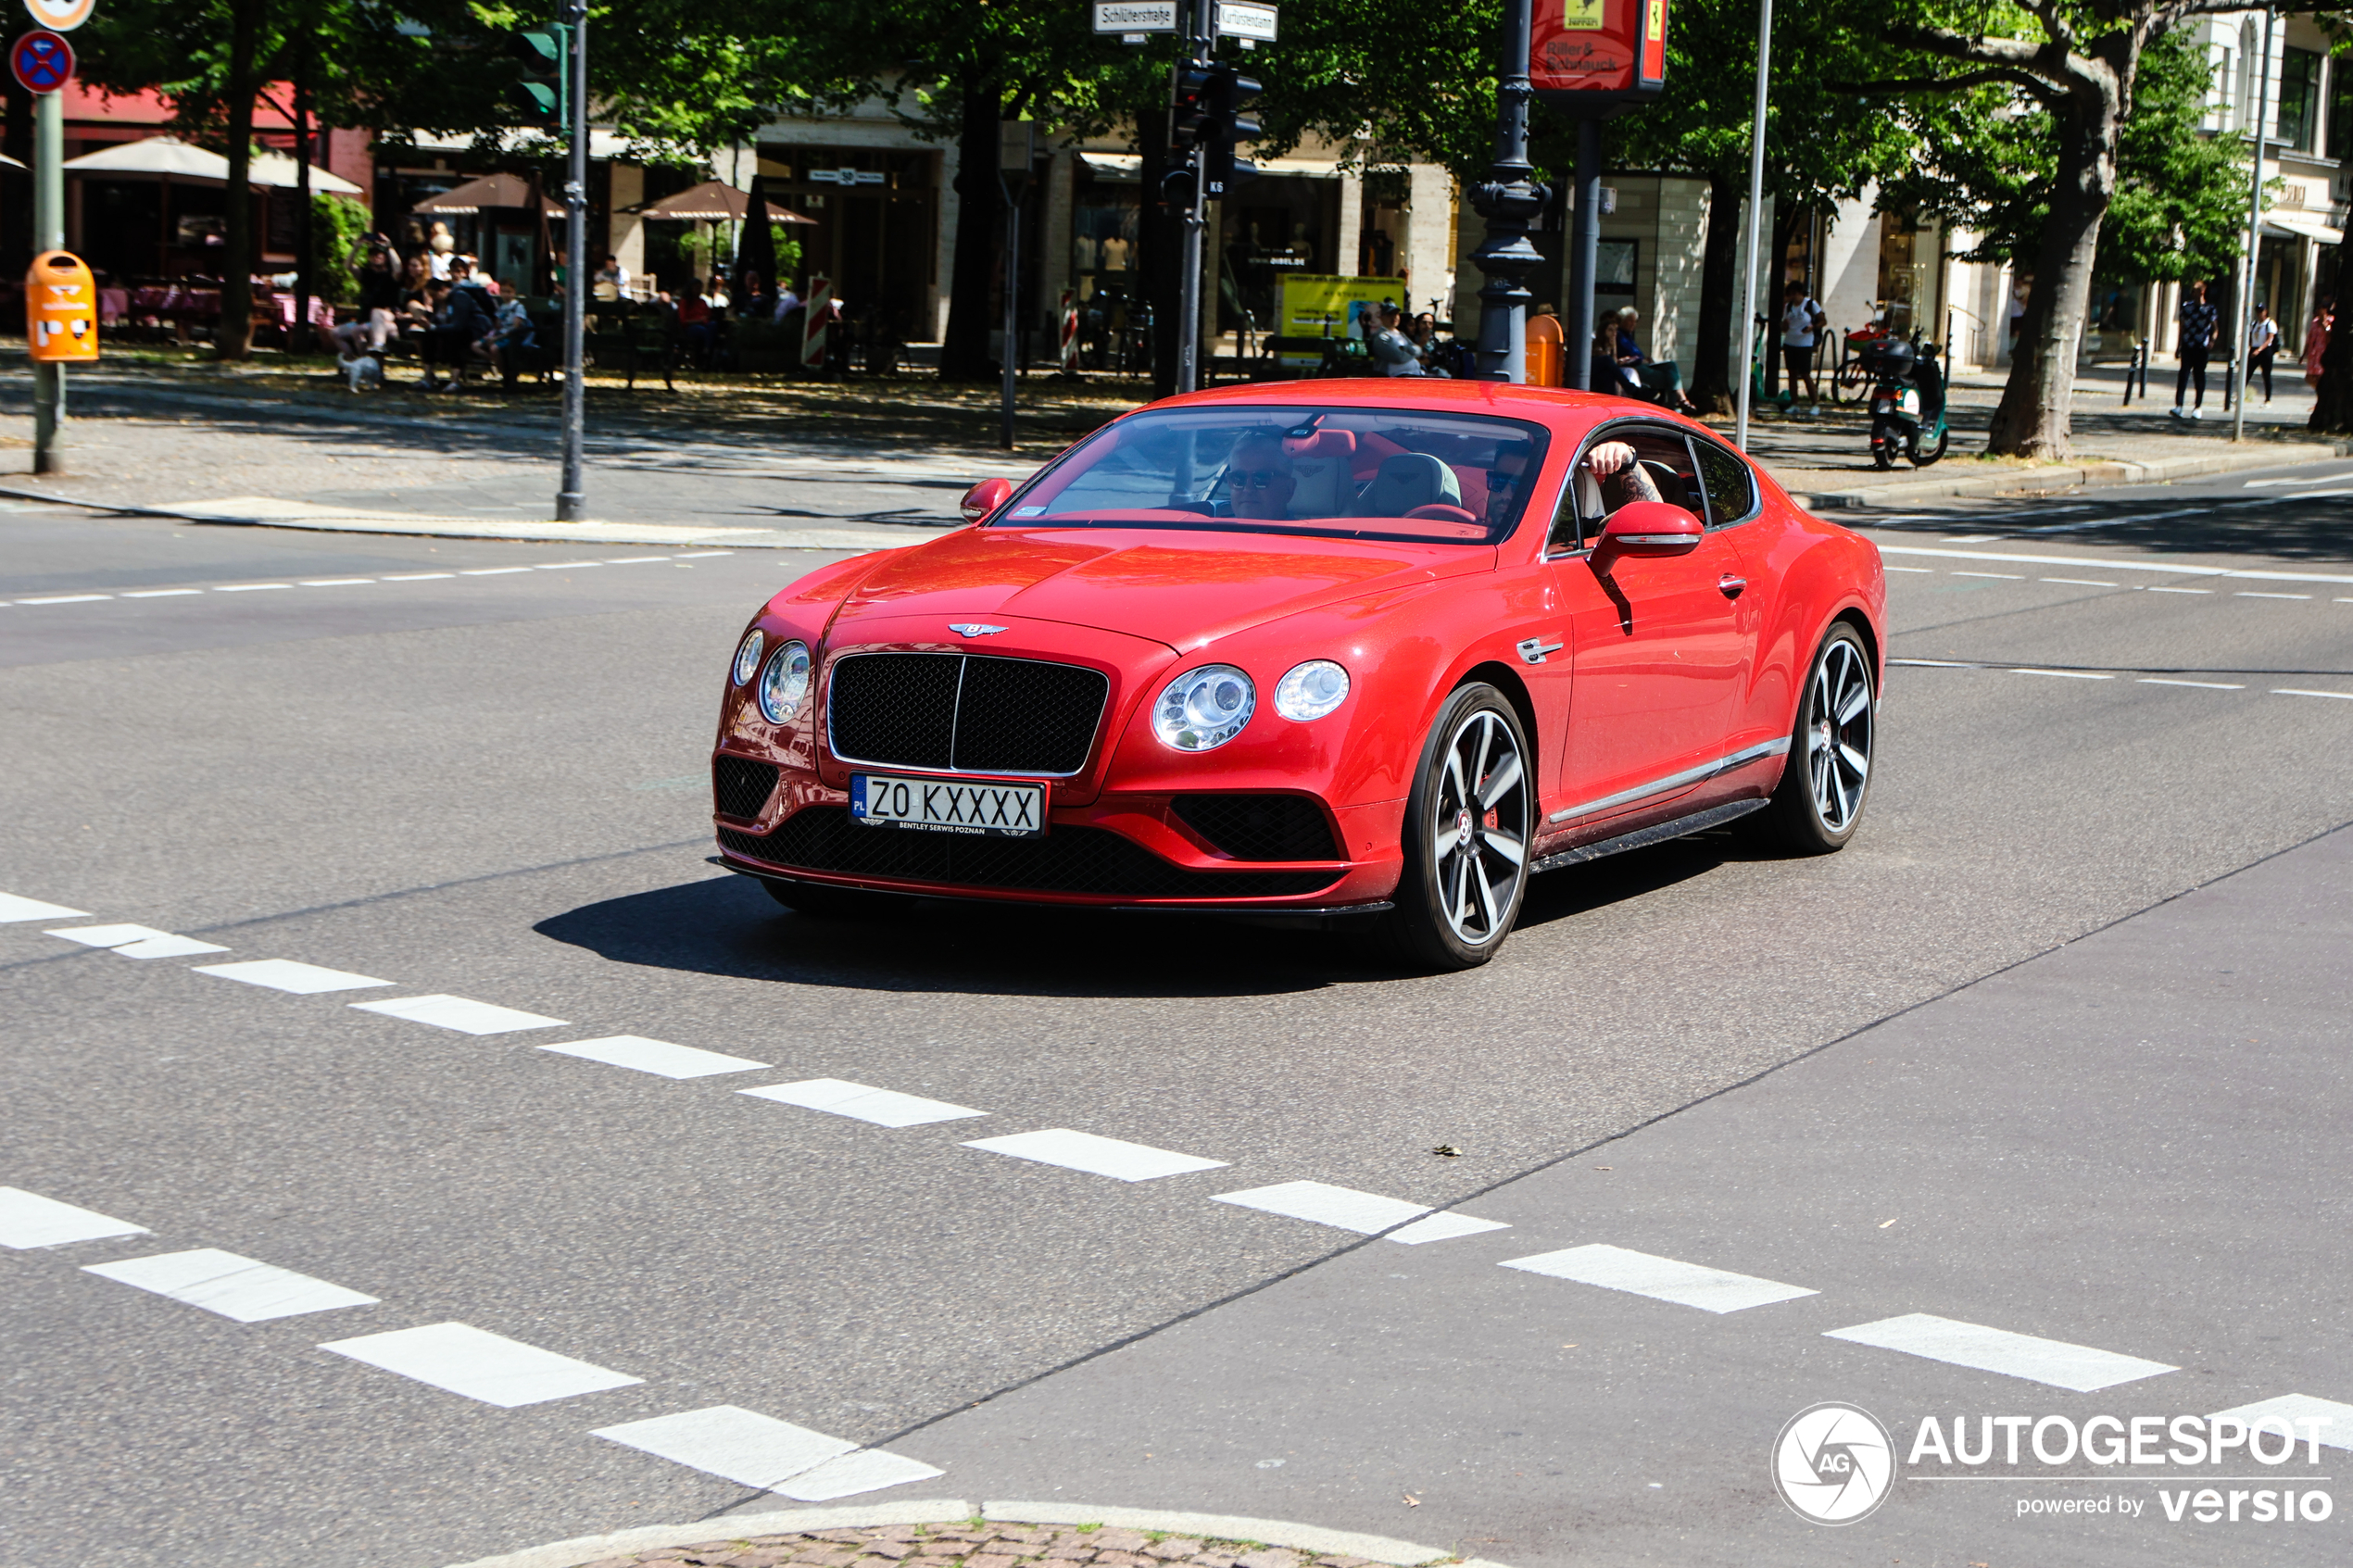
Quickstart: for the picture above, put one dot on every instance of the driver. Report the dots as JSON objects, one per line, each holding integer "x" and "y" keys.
{"x": 1621, "y": 476}
{"x": 1509, "y": 468}
{"x": 1260, "y": 476}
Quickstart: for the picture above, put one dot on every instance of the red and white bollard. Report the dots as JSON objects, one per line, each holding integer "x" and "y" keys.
{"x": 1070, "y": 334}
{"x": 816, "y": 315}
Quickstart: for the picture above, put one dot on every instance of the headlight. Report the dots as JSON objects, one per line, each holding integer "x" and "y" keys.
{"x": 1203, "y": 709}
{"x": 785, "y": 683}
{"x": 747, "y": 656}
{"x": 1311, "y": 690}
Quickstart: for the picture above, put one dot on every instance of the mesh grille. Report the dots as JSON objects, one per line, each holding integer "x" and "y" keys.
{"x": 1068, "y": 859}
{"x": 1260, "y": 827}
{"x": 740, "y": 787}
{"x": 958, "y": 712}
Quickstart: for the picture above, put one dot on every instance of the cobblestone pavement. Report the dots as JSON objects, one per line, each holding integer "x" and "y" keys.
{"x": 981, "y": 1546}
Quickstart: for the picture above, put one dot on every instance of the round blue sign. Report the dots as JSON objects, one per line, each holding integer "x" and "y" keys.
{"x": 41, "y": 61}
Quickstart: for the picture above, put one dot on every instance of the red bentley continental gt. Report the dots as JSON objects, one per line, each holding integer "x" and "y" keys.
{"x": 1380, "y": 648}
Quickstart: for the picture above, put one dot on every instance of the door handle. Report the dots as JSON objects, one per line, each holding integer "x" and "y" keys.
{"x": 1731, "y": 586}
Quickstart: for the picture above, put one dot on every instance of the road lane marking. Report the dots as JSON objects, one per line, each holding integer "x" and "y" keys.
{"x": 249, "y": 587}
{"x": 162, "y": 593}
{"x": 2005, "y": 576}
{"x": 701, "y": 555}
{"x": 461, "y": 1358}
{"x": 106, "y": 936}
{"x": 233, "y": 1287}
{"x": 417, "y": 576}
{"x": 16, "y": 907}
{"x": 1662, "y": 1279}
{"x": 1367, "y": 1214}
{"x": 732, "y": 1443}
{"x": 2076, "y": 1367}
{"x": 2180, "y": 590}
{"x": 868, "y": 1470}
{"x": 658, "y": 1057}
{"x": 29, "y": 1220}
{"x": 884, "y": 1108}
{"x": 334, "y": 582}
{"x": 138, "y": 941}
{"x": 2309, "y": 479}
{"x": 566, "y": 565}
{"x": 285, "y": 974}
{"x": 2334, "y": 1428}
{"x": 1115, "y": 1158}
{"x": 1927, "y": 571}
{"x": 2065, "y": 674}
{"x": 465, "y": 1016}
{"x": 2112, "y": 564}
{"x": 2298, "y": 691}
{"x": 494, "y": 570}
{"x": 1938, "y": 663}
{"x": 635, "y": 560}
{"x": 2205, "y": 685}
{"x": 2251, "y": 593}
{"x": 66, "y": 599}
{"x": 2078, "y": 582}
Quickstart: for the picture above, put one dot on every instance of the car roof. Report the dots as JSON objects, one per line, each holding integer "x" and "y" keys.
{"x": 1563, "y": 410}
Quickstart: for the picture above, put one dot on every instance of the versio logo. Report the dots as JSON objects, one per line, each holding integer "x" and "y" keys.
{"x": 1833, "y": 1463}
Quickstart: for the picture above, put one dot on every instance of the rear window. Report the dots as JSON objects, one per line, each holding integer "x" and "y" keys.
{"x": 1369, "y": 473}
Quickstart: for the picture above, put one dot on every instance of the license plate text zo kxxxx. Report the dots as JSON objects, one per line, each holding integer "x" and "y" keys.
{"x": 1002, "y": 810}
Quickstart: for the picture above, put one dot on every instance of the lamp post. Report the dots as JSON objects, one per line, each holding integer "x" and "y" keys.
{"x": 1755, "y": 212}
{"x": 1508, "y": 199}
{"x": 569, "y": 502}
{"x": 2244, "y": 352}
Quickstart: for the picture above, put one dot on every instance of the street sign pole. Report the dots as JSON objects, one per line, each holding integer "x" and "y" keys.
{"x": 1016, "y": 157}
{"x": 48, "y": 234}
{"x": 1507, "y": 200}
{"x": 1756, "y": 218}
{"x": 2244, "y": 352}
{"x": 1198, "y": 40}
{"x": 570, "y": 501}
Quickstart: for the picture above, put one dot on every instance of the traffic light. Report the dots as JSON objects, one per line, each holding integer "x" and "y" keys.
{"x": 544, "y": 84}
{"x": 1189, "y": 114}
{"x": 1227, "y": 93}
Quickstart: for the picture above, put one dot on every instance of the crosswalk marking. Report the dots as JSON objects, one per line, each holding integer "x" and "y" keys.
{"x": 285, "y": 974}
{"x": 658, "y": 1057}
{"x": 460, "y": 1013}
{"x": 1662, "y": 1279}
{"x": 461, "y": 1358}
{"x": 232, "y": 1287}
{"x": 138, "y": 941}
{"x": 2333, "y": 1425}
{"x": 29, "y": 1220}
{"x": 730, "y": 1442}
{"x": 15, "y": 906}
{"x": 2077, "y": 1367}
{"x": 1097, "y": 1156}
{"x": 1367, "y": 1214}
{"x": 884, "y": 1108}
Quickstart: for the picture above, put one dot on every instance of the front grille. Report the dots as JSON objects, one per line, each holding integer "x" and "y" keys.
{"x": 964, "y": 712}
{"x": 740, "y": 787}
{"x": 1067, "y": 859}
{"x": 1260, "y": 827}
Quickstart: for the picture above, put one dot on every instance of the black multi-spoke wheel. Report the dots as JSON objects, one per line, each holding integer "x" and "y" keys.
{"x": 1467, "y": 826}
{"x": 1822, "y": 790}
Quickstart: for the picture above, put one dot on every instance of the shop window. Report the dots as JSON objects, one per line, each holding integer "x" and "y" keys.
{"x": 2341, "y": 110}
{"x": 1614, "y": 266}
{"x": 2299, "y": 98}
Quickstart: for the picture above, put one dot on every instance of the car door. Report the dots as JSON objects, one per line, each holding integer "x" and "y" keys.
{"x": 1659, "y": 649}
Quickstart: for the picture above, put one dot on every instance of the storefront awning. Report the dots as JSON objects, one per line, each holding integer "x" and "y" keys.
{"x": 157, "y": 157}
{"x": 2288, "y": 222}
{"x": 717, "y": 202}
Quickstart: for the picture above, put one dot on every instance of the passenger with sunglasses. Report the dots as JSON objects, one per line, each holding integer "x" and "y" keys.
{"x": 1260, "y": 478}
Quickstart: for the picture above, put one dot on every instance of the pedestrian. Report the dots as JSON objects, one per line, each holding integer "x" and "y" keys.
{"x": 1801, "y": 324}
{"x": 1661, "y": 380}
{"x": 2200, "y": 321}
{"x": 695, "y": 328}
{"x": 1391, "y": 349}
{"x": 379, "y": 291}
{"x": 2316, "y": 340}
{"x": 611, "y": 280}
{"x": 2262, "y": 347}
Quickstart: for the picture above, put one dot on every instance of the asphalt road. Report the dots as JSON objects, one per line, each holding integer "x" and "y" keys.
{"x": 489, "y": 785}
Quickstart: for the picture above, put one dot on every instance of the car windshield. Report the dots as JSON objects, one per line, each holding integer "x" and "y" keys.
{"x": 1372, "y": 473}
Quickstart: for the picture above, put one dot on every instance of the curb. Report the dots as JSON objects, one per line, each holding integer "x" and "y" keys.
{"x": 737, "y": 1526}
{"x": 2079, "y": 476}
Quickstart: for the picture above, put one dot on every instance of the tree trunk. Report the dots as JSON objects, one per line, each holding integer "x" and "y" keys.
{"x": 2031, "y": 420}
{"x": 2333, "y": 409}
{"x": 305, "y": 242}
{"x": 1712, "y": 386}
{"x": 234, "y": 338}
{"x": 964, "y": 354}
{"x": 1785, "y": 222}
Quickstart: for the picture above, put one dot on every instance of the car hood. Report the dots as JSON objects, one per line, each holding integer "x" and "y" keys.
{"x": 1181, "y": 588}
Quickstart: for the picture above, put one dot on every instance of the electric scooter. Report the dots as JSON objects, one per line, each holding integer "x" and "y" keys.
{"x": 1907, "y": 403}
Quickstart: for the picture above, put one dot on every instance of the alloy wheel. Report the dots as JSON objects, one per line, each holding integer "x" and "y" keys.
{"x": 1478, "y": 828}
{"x": 1838, "y": 739}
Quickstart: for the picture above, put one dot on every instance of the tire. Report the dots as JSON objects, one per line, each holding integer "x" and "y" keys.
{"x": 1465, "y": 871}
{"x": 1943, "y": 439}
{"x": 820, "y": 902}
{"x": 1883, "y": 440}
{"x": 1818, "y": 803}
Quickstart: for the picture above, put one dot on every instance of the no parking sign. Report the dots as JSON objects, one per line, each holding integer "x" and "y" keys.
{"x": 41, "y": 61}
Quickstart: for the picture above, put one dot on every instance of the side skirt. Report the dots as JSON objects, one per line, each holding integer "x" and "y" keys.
{"x": 1642, "y": 838}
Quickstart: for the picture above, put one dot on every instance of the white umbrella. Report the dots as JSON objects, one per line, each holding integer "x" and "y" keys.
{"x": 168, "y": 157}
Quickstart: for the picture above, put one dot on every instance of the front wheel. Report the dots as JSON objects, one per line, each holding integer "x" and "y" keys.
{"x": 1820, "y": 800}
{"x": 1925, "y": 455}
{"x": 1468, "y": 823}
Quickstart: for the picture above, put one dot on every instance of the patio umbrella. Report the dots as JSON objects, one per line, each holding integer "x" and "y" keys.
{"x": 489, "y": 193}
{"x": 168, "y": 158}
{"x": 717, "y": 202}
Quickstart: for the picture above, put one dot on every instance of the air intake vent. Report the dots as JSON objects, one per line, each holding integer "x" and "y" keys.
{"x": 740, "y": 786}
{"x": 1260, "y": 827}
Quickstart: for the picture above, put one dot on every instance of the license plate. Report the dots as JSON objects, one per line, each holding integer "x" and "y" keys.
{"x": 998, "y": 811}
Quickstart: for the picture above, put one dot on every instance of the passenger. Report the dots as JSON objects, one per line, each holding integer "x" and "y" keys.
{"x": 1622, "y": 478}
{"x": 1259, "y": 475}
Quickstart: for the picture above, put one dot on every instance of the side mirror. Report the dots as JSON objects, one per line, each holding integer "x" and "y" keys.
{"x": 985, "y": 498}
{"x": 1650, "y": 527}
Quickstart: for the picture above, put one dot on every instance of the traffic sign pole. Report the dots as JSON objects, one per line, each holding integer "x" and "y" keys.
{"x": 571, "y": 502}
{"x": 48, "y": 234}
{"x": 1200, "y": 43}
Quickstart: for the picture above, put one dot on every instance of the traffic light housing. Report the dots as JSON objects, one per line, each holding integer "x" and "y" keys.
{"x": 1228, "y": 91}
{"x": 1189, "y": 114}
{"x": 544, "y": 82}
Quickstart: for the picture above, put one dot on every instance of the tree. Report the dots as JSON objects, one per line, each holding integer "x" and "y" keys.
{"x": 2080, "y": 62}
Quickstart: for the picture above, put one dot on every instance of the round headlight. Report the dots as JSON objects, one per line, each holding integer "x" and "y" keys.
{"x": 1203, "y": 709}
{"x": 1311, "y": 690}
{"x": 747, "y": 656}
{"x": 785, "y": 683}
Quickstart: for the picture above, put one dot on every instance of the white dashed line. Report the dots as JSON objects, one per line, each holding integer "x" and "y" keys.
{"x": 138, "y": 941}
{"x": 481, "y": 1365}
{"x": 493, "y": 570}
{"x": 2065, "y": 674}
{"x": 250, "y": 587}
{"x": 2005, "y": 576}
{"x": 566, "y": 565}
{"x": 2250, "y": 594}
{"x": 2076, "y": 1367}
{"x": 1097, "y": 1156}
{"x": 2203, "y": 685}
{"x": 29, "y": 1220}
{"x": 2332, "y": 1423}
{"x": 1367, "y": 1214}
{"x": 459, "y": 1013}
{"x": 285, "y": 974}
{"x": 658, "y": 1057}
{"x": 868, "y": 1470}
{"x": 1928, "y": 569}
{"x": 2308, "y": 479}
{"x": 163, "y": 593}
{"x": 232, "y": 1287}
{"x": 2180, "y": 590}
{"x": 1936, "y": 663}
{"x": 2077, "y": 582}
{"x": 335, "y": 581}
{"x": 703, "y": 555}
{"x": 884, "y": 1108}
{"x": 635, "y": 561}
{"x": 2298, "y": 691}
{"x": 417, "y": 576}
{"x": 67, "y": 600}
{"x": 15, "y": 906}
{"x": 1662, "y": 1279}
{"x": 730, "y": 1442}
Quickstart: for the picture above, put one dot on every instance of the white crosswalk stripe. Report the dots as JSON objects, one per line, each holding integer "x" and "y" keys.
{"x": 2077, "y": 1367}
{"x": 232, "y": 1287}
{"x": 465, "y": 1016}
{"x": 29, "y": 1220}
{"x": 479, "y": 1364}
{"x": 884, "y": 1108}
{"x": 1367, "y": 1214}
{"x": 658, "y": 1057}
{"x": 1662, "y": 1279}
{"x": 1095, "y": 1155}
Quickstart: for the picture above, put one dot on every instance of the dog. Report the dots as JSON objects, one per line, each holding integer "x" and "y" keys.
{"x": 361, "y": 372}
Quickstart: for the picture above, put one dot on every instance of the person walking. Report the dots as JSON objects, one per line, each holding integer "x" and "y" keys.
{"x": 2262, "y": 347}
{"x": 2200, "y": 321}
{"x": 2316, "y": 340}
{"x": 1802, "y": 322}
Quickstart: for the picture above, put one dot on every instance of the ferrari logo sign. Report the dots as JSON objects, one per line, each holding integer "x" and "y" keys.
{"x": 1582, "y": 16}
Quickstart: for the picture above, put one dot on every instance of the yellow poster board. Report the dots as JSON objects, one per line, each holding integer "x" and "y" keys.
{"x": 1311, "y": 305}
